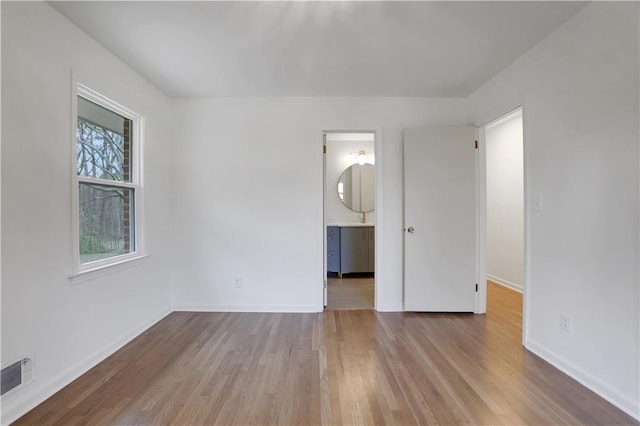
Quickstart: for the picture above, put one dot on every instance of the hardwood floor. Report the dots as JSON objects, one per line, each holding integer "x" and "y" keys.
{"x": 350, "y": 293}
{"x": 339, "y": 367}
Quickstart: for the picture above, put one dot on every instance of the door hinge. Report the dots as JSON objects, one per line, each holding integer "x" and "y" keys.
{"x": 325, "y": 284}
{"x": 476, "y": 144}
{"x": 476, "y": 287}
{"x": 324, "y": 149}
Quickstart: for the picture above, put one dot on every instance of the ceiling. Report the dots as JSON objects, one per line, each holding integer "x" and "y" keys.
{"x": 326, "y": 48}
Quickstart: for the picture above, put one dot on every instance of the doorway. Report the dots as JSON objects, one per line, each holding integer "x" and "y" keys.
{"x": 505, "y": 231}
{"x": 349, "y": 219}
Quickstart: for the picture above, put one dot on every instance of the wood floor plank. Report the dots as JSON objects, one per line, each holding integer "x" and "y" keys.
{"x": 338, "y": 367}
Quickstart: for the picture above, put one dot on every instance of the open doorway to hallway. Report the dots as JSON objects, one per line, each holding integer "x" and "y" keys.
{"x": 349, "y": 212}
{"x": 505, "y": 216}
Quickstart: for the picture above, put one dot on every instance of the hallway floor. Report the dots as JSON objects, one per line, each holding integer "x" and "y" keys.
{"x": 350, "y": 292}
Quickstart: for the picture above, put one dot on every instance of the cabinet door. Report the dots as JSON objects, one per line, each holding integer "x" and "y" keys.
{"x": 354, "y": 243}
{"x": 372, "y": 249}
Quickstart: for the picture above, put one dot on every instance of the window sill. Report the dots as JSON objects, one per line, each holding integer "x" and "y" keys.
{"x": 101, "y": 271}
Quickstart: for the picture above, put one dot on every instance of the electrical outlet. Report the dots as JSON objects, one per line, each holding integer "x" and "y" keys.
{"x": 537, "y": 203}
{"x": 565, "y": 322}
{"x": 237, "y": 282}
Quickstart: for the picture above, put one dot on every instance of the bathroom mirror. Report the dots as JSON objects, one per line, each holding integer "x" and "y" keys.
{"x": 357, "y": 187}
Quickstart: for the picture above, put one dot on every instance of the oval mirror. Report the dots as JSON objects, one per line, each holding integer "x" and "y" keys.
{"x": 357, "y": 188}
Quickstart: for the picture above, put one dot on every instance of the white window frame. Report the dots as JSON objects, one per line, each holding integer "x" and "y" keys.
{"x": 136, "y": 176}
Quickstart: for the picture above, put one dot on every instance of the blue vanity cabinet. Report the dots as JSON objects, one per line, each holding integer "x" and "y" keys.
{"x": 350, "y": 249}
{"x": 333, "y": 249}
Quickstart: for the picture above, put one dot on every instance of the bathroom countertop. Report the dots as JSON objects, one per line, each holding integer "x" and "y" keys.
{"x": 351, "y": 224}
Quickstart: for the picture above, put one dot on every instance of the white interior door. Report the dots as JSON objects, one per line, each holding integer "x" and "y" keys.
{"x": 440, "y": 219}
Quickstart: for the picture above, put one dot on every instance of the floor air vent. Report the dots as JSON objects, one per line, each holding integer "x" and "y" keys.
{"x": 15, "y": 374}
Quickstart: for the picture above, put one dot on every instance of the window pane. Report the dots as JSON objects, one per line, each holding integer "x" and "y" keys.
{"x": 105, "y": 226}
{"x": 103, "y": 143}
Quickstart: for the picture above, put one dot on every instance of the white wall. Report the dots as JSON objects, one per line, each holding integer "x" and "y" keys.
{"x": 250, "y": 189}
{"x": 67, "y": 328}
{"x": 337, "y": 161}
{"x": 579, "y": 90}
{"x": 505, "y": 202}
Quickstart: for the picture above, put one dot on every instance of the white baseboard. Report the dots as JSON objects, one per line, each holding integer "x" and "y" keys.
{"x": 35, "y": 392}
{"x": 506, "y": 283}
{"x": 301, "y": 309}
{"x": 613, "y": 396}
{"x": 392, "y": 307}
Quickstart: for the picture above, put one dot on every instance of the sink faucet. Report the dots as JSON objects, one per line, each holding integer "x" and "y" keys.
{"x": 364, "y": 217}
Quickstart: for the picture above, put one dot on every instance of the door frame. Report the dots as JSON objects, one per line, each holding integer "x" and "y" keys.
{"x": 482, "y": 216}
{"x": 378, "y": 223}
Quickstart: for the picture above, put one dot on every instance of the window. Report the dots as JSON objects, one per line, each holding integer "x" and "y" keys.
{"x": 107, "y": 187}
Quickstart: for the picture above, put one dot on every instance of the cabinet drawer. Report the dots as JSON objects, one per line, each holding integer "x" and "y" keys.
{"x": 333, "y": 230}
{"x": 333, "y": 261}
{"x": 333, "y": 242}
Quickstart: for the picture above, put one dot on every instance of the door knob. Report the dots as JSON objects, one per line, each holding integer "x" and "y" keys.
{"x": 410, "y": 230}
